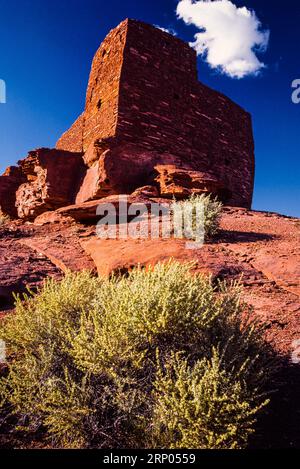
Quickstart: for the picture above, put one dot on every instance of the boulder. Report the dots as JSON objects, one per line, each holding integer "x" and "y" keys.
{"x": 120, "y": 256}
{"x": 87, "y": 211}
{"x": 96, "y": 181}
{"x": 146, "y": 191}
{"x": 53, "y": 177}
{"x": 180, "y": 183}
{"x": 9, "y": 184}
{"x": 51, "y": 217}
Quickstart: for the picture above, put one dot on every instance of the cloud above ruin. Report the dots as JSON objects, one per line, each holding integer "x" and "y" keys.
{"x": 167, "y": 30}
{"x": 229, "y": 37}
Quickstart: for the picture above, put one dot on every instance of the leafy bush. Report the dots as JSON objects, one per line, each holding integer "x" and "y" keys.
{"x": 203, "y": 213}
{"x": 202, "y": 406}
{"x": 158, "y": 359}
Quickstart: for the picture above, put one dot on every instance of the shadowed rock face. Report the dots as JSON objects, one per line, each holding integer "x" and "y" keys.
{"x": 45, "y": 180}
{"x": 147, "y": 121}
{"x": 9, "y": 183}
{"x": 52, "y": 181}
{"x": 183, "y": 183}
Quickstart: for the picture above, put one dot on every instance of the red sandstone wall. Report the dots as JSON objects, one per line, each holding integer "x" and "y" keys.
{"x": 145, "y": 100}
{"x": 99, "y": 119}
{"x": 164, "y": 109}
{"x": 103, "y": 89}
{"x": 72, "y": 140}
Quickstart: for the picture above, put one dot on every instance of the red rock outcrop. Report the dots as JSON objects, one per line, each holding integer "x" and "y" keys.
{"x": 87, "y": 211}
{"x": 182, "y": 183}
{"x": 52, "y": 177}
{"x": 9, "y": 184}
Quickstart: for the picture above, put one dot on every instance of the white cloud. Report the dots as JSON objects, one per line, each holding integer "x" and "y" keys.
{"x": 229, "y": 37}
{"x": 167, "y": 30}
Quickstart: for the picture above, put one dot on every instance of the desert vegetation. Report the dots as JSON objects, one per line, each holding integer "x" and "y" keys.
{"x": 159, "y": 358}
{"x": 203, "y": 213}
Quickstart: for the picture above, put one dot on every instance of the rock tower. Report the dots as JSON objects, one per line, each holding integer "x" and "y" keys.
{"x": 147, "y": 121}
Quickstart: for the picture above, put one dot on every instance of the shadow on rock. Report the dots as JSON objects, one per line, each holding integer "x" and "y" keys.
{"x": 279, "y": 426}
{"x": 243, "y": 237}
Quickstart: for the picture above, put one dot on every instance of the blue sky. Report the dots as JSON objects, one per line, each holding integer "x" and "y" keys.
{"x": 46, "y": 48}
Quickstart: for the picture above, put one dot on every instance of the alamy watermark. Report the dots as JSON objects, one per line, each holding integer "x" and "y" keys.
{"x": 2, "y": 92}
{"x": 296, "y": 352}
{"x": 123, "y": 220}
{"x": 2, "y": 352}
{"x": 296, "y": 92}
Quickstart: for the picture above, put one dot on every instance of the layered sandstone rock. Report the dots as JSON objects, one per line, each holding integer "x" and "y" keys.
{"x": 146, "y": 191}
{"x": 9, "y": 184}
{"x": 95, "y": 209}
{"x": 52, "y": 177}
{"x": 182, "y": 183}
{"x": 97, "y": 181}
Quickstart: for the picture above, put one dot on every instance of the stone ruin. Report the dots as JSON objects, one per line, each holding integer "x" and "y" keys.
{"x": 148, "y": 121}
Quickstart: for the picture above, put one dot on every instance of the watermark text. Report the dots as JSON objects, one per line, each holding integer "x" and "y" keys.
{"x": 2, "y": 92}
{"x": 296, "y": 92}
{"x": 152, "y": 221}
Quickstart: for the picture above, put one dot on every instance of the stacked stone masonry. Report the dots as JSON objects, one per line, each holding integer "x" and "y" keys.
{"x": 147, "y": 121}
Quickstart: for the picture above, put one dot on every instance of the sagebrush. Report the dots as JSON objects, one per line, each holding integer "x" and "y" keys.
{"x": 202, "y": 216}
{"x": 160, "y": 358}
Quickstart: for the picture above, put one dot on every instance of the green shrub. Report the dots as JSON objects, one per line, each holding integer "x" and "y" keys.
{"x": 207, "y": 225}
{"x": 203, "y": 406}
{"x": 159, "y": 359}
